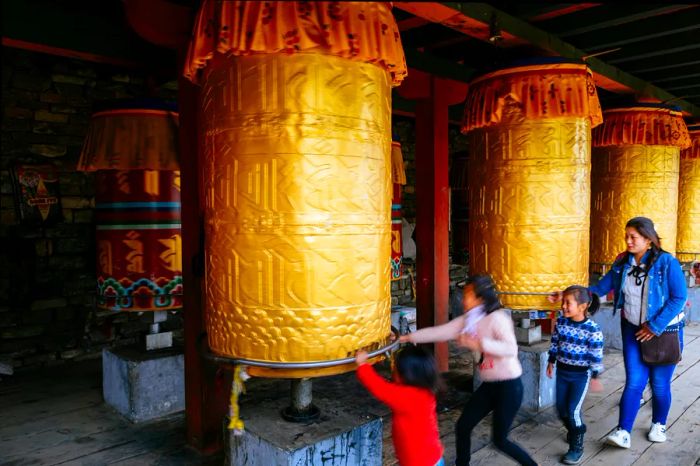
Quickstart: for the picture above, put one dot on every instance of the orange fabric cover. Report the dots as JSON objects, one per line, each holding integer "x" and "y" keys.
{"x": 534, "y": 91}
{"x": 363, "y": 31}
{"x": 131, "y": 139}
{"x": 642, "y": 125}
{"x": 692, "y": 152}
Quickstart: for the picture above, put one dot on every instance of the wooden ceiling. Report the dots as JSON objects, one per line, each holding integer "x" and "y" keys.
{"x": 645, "y": 50}
{"x": 649, "y": 50}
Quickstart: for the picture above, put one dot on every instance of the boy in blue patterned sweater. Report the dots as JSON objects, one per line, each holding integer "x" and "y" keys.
{"x": 577, "y": 350}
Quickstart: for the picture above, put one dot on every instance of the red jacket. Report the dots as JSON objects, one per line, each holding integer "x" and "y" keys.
{"x": 414, "y": 428}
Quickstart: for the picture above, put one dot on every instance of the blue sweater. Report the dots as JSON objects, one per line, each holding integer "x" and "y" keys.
{"x": 577, "y": 346}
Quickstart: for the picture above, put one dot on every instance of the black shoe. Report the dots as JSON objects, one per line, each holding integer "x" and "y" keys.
{"x": 575, "y": 453}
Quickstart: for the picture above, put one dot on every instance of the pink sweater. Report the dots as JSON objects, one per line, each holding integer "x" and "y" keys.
{"x": 498, "y": 344}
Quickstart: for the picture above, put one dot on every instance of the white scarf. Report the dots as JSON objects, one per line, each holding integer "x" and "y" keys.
{"x": 474, "y": 315}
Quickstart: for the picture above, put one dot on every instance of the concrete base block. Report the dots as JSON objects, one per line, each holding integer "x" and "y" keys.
{"x": 359, "y": 446}
{"x": 692, "y": 310}
{"x": 347, "y": 433}
{"x": 528, "y": 336}
{"x": 539, "y": 391}
{"x": 610, "y": 326}
{"x": 143, "y": 385}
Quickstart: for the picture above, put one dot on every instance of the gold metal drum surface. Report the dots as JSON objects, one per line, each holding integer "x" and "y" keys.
{"x": 689, "y": 207}
{"x": 296, "y": 172}
{"x": 631, "y": 181}
{"x": 529, "y": 198}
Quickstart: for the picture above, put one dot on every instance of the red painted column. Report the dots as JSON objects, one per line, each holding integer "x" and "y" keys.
{"x": 432, "y": 211}
{"x": 206, "y": 397}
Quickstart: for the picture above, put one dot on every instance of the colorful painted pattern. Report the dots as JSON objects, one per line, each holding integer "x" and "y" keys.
{"x": 139, "y": 246}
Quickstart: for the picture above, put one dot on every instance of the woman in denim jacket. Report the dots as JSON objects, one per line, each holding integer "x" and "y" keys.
{"x": 650, "y": 290}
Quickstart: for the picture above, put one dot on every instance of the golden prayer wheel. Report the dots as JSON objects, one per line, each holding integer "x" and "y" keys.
{"x": 688, "y": 242}
{"x": 529, "y": 178}
{"x": 296, "y": 154}
{"x": 634, "y": 173}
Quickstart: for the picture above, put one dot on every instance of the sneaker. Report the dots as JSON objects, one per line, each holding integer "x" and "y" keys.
{"x": 619, "y": 438}
{"x": 657, "y": 433}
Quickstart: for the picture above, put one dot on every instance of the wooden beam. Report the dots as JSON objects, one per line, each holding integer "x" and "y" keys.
{"x": 650, "y": 28}
{"x": 642, "y": 52}
{"x": 561, "y": 10}
{"x": 438, "y": 66}
{"x": 478, "y": 19}
{"x": 432, "y": 212}
{"x": 615, "y": 15}
{"x": 69, "y": 53}
{"x": 411, "y": 23}
{"x": 205, "y": 400}
{"x": 678, "y": 60}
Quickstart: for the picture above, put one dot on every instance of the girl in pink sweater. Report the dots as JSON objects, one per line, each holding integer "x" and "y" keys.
{"x": 491, "y": 335}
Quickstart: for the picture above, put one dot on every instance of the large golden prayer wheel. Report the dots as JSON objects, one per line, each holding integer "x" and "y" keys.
{"x": 529, "y": 178}
{"x": 296, "y": 153}
{"x": 688, "y": 243}
{"x": 634, "y": 173}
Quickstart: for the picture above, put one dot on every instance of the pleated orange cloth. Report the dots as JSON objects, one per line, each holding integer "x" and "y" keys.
{"x": 362, "y": 31}
{"x": 647, "y": 124}
{"x": 532, "y": 92}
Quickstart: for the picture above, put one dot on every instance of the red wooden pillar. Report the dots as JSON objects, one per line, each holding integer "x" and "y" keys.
{"x": 432, "y": 212}
{"x": 205, "y": 396}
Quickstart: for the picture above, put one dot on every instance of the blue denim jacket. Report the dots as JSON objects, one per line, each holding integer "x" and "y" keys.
{"x": 667, "y": 289}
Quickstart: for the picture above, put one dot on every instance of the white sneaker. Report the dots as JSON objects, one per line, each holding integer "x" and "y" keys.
{"x": 619, "y": 438}
{"x": 657, "y": 433}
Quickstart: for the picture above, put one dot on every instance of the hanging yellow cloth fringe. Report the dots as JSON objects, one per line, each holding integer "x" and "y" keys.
{"x": 237, "y": 387}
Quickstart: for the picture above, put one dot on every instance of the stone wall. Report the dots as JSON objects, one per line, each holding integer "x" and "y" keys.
{"x": 47, "y": 278}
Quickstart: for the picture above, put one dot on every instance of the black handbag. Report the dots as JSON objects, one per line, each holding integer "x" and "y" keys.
{"x": 662, "y": 350}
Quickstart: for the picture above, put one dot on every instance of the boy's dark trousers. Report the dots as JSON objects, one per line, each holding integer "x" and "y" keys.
{"x": 572, "y": 386}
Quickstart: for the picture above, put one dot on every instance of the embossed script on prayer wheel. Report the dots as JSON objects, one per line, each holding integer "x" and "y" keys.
{"x": 635, "y": 166}
{"x": 529, "y": 179}
{"x": 689, "y": 200}
{"x": 296, "y": 170}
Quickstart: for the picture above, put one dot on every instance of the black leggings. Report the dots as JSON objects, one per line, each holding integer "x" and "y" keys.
{"x": 504, "y": 399}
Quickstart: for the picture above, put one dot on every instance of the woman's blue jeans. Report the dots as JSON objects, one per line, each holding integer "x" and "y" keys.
{"x": 637, "y": 375}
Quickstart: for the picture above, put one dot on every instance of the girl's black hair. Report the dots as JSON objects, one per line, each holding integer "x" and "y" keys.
{"x": 583, "y": 295}
{"x": 485, "y": 289}
{"x": 417, "y": 367}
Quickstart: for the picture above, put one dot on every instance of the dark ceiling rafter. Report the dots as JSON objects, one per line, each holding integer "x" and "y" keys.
{"x": 618, "y": 14}
{"x": 480, "y": 20}
{"x": 677, "y": 60}
{"x": 653, "y": 48}
{"x": 684, "y": 87}
{"x": 695, "y": 77}
{"x": 664, "y": 68}
{"x": 640, "y": 31}
{"x": 557, "y": 10}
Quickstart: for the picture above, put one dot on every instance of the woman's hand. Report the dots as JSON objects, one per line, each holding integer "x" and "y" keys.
{"x": 596, "y": 385}
{"x": 361, "y": 357}
{"x": 644, "y": 334}
{"x": 405, "y": 338}
{"x": 554, "y": 297}
{"x": 550, "y": 370}
{"x": 468, "y": 341}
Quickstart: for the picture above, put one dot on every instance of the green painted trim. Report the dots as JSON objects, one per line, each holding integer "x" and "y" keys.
{"x": 484, "y": 13}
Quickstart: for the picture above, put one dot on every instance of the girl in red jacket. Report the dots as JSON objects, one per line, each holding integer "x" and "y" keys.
{"x": 411, "y": 398}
